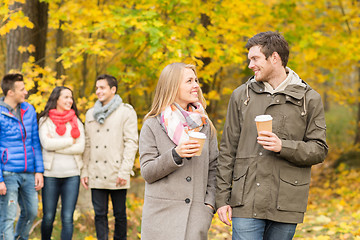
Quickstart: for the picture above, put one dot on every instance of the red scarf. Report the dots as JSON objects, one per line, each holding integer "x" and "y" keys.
{"x": 61, "y": 118}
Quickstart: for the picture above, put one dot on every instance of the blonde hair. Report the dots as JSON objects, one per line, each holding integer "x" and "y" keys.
{"x": 168, "y": 86}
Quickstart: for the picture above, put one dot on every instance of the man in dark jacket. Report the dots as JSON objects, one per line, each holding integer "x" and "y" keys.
{"x": 20, "y": 158}
{"x": 263, "y": 181}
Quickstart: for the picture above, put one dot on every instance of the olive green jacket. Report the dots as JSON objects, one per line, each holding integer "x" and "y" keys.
{"x": 262, "y": 184}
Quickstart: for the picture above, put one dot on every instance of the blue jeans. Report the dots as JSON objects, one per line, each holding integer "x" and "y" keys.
{"x": 100, "y": 200}
{"x": 256, "y": 229}
{"x": 20, "y": 190}
{"x": 68, "y": 189}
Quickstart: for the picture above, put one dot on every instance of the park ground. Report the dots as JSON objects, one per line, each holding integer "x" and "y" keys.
{"x": 333, "y": 211}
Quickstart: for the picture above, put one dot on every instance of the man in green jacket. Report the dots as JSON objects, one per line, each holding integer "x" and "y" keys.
{"x": 263, "y": 181}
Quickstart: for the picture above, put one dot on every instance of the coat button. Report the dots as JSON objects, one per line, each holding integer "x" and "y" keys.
{"x": 296, "y": 182}
{"x": 258, "y": 184}
{"x": 260, "y": 153}
{"x": 188, "y": 179}
{"x": 107, "y": 129}
{"x": 105, "y": 161}
{"x": 98, "y": 130}
{"x": 187, "y": 200}
{"x": 104, "y": 177}
{"x": 96, "y": 161}
{"x": 254, "y": 214}
{"x": 105, "y": 146}
{"x": 96, "y": 177}
{"x": 96, "y": 146}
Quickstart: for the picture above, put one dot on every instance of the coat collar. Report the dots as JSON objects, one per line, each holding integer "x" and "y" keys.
{"x": 295, "y": 91}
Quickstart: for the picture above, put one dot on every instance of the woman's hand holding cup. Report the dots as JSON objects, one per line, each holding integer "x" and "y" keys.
{"x": 188, "y": 148}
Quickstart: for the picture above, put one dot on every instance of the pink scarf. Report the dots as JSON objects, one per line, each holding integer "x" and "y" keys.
{"x": 61, "y": 118}
{"x": 177, "y": 122}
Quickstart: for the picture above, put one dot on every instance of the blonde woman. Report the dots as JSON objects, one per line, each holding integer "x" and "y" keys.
{"x": 180, "y": 187}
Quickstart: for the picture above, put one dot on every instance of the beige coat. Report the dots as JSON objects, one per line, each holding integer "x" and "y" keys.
{"x": 110, "y": 148}
{"x": 52, "y": 143}
{"x": 258, "y": 183}
{"x": 175, "y": 195}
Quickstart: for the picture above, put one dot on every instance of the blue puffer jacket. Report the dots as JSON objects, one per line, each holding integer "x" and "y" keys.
{"x": 20, "y": 147}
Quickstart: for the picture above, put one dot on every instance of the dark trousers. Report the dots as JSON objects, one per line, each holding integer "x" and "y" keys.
{"x": 54, "y": 188}
{"x": 100, "y": 200}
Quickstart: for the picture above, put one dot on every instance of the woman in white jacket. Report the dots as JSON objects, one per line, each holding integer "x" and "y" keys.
{"x": 63, "y": 142}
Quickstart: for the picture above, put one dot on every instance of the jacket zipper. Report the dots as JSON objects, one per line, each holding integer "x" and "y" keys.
{"x": 23, "y": 140}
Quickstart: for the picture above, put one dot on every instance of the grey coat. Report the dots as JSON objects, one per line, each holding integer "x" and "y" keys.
{"x": 175, "y": 195}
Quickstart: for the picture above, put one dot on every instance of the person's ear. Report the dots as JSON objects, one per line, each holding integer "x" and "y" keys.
{"x": 113, "y": 90}
{"x": 275, "y": 58}
{"x": 10, "y": 92}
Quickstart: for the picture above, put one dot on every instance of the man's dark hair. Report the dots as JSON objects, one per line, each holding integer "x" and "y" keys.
{"x": 270, "y": 42}
{"x": 8, "y": 82}
{"x": 111, "y": 80}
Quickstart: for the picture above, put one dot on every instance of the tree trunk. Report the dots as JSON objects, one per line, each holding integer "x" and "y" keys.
{"x": 84, "y": 76}
{"x": 357, "y": 137}
{"x": 59, "y": 44}
{"x": 38, "y": 15}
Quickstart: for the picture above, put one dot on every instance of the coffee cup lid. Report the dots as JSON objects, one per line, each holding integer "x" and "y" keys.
{"x": 263, "y": 118}
{"x": 197, "y": 135}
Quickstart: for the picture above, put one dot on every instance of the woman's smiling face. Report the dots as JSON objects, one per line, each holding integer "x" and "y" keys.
{"x": 188, "y": 89}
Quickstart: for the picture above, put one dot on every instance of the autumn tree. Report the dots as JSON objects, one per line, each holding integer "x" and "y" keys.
{"x": 134, "y": 40}
{"x": 29, "y": 40}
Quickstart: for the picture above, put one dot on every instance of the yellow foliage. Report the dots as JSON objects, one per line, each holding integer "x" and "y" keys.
{"x": 213, "y": 95}
{"x": 12, "y": 20}
{"x": 227, "y": 91}
{"x": 323, "y": 237}
{"x": 90, "y": 238}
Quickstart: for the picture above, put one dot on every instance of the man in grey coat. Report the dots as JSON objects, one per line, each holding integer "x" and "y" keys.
{"x": 263, "y": 181}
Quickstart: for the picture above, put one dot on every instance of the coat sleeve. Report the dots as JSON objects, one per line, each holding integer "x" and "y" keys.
{"x": 154, "y": 166}
{"x": 86, "y": 154}
{"x": 49, "y": 143}
{"x": 313, "y": 149}
{"x": 211, "y": 183}
{"x": 130, "y": 144}
{"x": 39, "y": 164}
{"x": 228, "y": 147}
{"x": 78, "y": 147}
{"x": 1, "y": 162}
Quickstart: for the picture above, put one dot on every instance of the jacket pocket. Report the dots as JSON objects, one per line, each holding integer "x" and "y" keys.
{"x": 238, "y": 185}
{"x": 48, "y": 158}
{"x": 4, "y": 156}
{"x": 320, "y": 123}
{"x": 293, "y": 189}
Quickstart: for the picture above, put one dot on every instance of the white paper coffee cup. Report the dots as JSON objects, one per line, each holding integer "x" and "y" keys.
{"x": 263, "y": 123}
{"x": 200, "y": 137}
